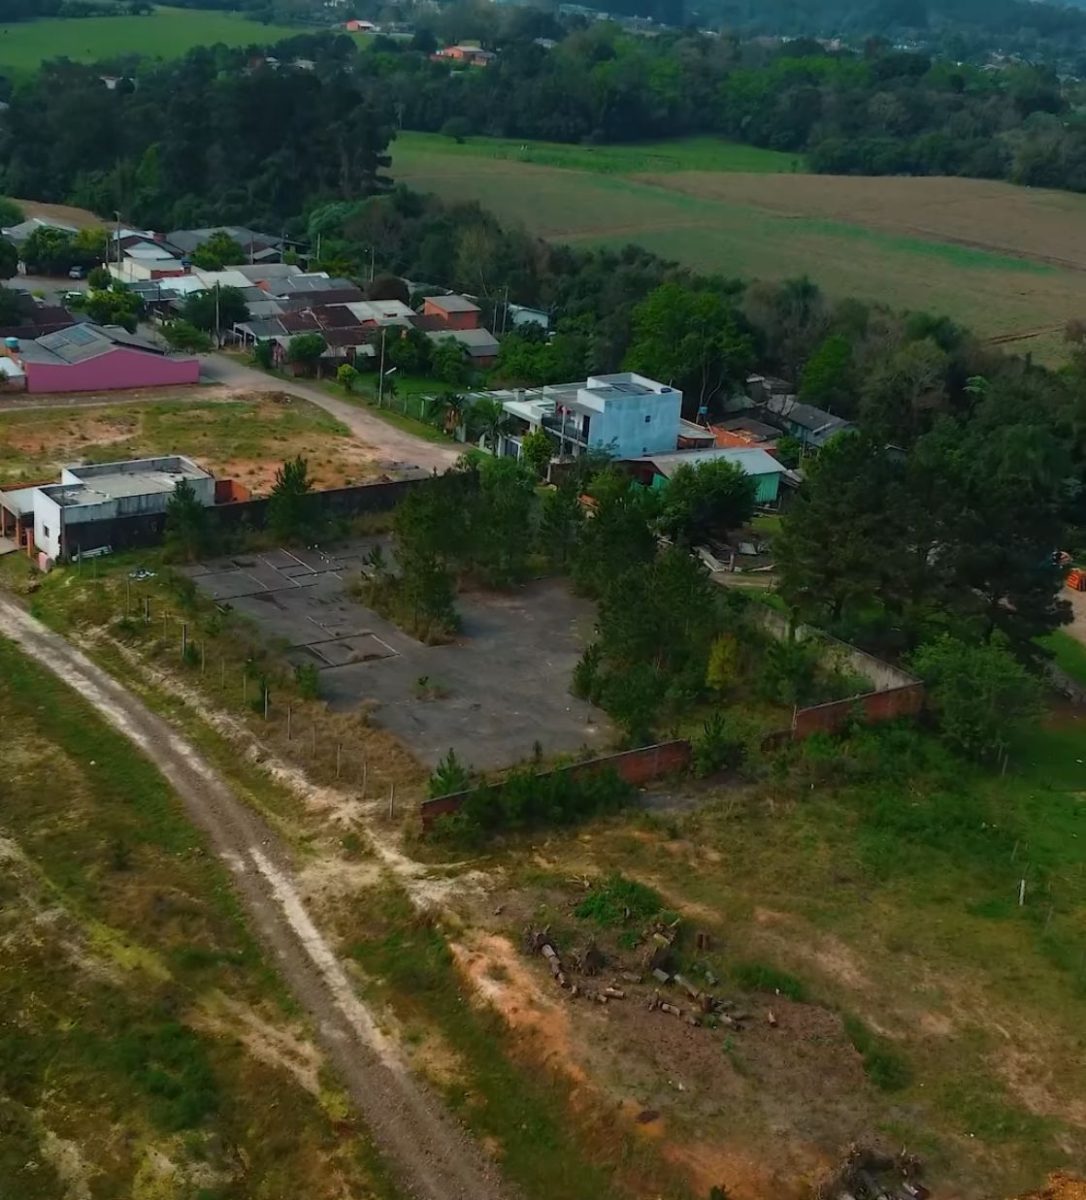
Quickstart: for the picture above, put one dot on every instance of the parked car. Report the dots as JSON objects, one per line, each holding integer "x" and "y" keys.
{"x": 77, "y": 273}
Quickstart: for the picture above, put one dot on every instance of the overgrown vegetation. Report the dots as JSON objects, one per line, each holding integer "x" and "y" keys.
{"x": 525, "y": 801}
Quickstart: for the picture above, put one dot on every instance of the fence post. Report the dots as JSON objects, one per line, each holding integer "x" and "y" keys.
{"x": 265, "y": 702}
{"x": 339, "y": 750}
{"x": 184, "y": 639}
{"x": 290, "y": 713}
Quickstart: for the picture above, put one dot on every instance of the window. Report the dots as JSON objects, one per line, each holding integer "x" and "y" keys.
{"x": 648, "y": 417}
{"x": 45, "y": 531}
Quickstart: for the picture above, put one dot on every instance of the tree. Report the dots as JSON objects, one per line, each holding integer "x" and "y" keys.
{"x": 561, "y": 519}
{"x": 11, "y": 306}
{"x": 449, "y": 776}
{"x": 388, "y": 287}
{"x": 187, "y": 532}
{"x": 706, "y": 500}
{"x": 829, "y": 377}
{"x": 619, "y": 536}
{"x": 99, "y": 279}
{"x": 450, "y": 362}
{"x": 10, "y": 213}
{"x": 305, "y": 350}
{"x": 411, "y": 353}
{"x": 117, "y": 306}
{"x": 9, "y": 259}
{"x": 292, "y": 513}
{"x": 500, "y": 525}
{"x": 981, "y": 696}
{"x": 216, "y": 309}
{"x": 264, "y": 354}
{"x": 692, "y": 339}
{"x": 487, "y": 418}
{"x": 347, "y": 377}
{"x": 457, "y": 128}
{"x": 220, "y": 250}
{"x": 448, "y": 408}
{"x": 180, "y": 335}
{"x": 536, "y": 452}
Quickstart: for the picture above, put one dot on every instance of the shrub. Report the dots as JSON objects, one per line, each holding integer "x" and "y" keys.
{"x": 718, "y": 747}
{"x": 450, "y": 775}
{"x": 307, "y": 677}
{"x": 619, "y": 899}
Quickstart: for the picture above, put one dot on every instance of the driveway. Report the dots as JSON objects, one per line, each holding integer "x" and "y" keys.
{"x": 432, "y": 1156}
{"x": 402, "y": 450}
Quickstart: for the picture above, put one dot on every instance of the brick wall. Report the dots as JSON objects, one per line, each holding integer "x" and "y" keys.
{"x": 871, "y": 707}
{"x": 638, "y": 767}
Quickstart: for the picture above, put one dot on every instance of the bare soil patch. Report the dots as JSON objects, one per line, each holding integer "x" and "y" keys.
{"x": 81, "y": 218}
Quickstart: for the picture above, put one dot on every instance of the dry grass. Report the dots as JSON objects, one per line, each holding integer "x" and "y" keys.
{"x": 243, "y": 436}
{"x": 999, "y": 259}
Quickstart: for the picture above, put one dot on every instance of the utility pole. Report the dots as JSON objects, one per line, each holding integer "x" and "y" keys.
{"x": 218, "y": 324}
{"x": 381, "y": 370}
{"x": 373, "y": 254}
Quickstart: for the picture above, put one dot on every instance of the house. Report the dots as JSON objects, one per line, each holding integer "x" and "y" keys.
{"x": 258, "y": 247}
{"x": 768, "y": 473}
{"x": 520, "y": 316}
{"x": 97, "y": 358}
{"x": 481, "y": 344}
{"x": 354, "y": 25}
{"x": 468, "y": 54}
{"x": 19, "y": 233}
{"x": 36, "y": 318}
{"x": 627, "y": 415}
{"x": 455, "y": 312}
{"x": 738, "y": 432}
{"x": 143, "y": 259}
{"x": 64, "y": 519}
{"x": 811, "y": 426}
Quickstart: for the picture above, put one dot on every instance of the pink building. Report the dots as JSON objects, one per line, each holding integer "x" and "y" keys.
{"x": 96, "y": 358}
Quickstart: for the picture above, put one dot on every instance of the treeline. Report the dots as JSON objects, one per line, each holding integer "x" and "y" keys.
{"x": 200, "y": 141}
{"x": 213, "y": 138}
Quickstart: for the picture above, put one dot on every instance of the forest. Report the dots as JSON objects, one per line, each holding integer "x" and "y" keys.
{"x": 211, "y": 138}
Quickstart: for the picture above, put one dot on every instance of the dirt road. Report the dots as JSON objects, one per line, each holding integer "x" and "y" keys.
{"x": 432, "y": 1157}
{"x": 401, "y": 449}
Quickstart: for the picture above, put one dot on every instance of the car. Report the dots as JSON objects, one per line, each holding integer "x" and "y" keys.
{"x": 77, "y": 273}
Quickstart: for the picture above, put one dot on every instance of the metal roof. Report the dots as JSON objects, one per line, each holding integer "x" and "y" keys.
{"x": 452, "y": 303}
{"x": 753, "y": 461}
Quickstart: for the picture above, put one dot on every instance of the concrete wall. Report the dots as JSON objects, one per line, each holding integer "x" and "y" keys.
{"x": 117, "y": 369}
{"x": 146, "y": 529}
{"x": 203, "y": 484}
{"x": 47, "y": 525}
{"x": 635, "y": 766}
{"x": 894, "y": 692}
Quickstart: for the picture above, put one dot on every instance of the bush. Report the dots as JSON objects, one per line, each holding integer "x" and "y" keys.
{"x": 526, "y": 801}
{"x": 718, "y": 747}
{"x": 617, "y": 900}
{"x": 307, "y": 677}
{"x": 450, "y": 776}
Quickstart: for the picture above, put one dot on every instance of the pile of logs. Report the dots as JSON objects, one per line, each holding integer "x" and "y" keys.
{"x": 867, "y": 1174}
{"x": 589, "y": 962}
{"x": 722, "y": 1012}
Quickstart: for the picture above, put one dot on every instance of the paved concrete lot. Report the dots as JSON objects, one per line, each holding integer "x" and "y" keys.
{"x": 491, "y": 695}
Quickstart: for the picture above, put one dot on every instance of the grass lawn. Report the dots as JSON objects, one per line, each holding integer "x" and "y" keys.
{"x": 166, "y": 33}
{"x": 682, "y": 154}
{"x": 406, "y": 408}
{"x": 142, "y": 1024}
{"x": 1069, "y": 653}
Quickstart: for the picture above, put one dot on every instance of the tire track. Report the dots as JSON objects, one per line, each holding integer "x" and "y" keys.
{"x": 432, "y": 1157}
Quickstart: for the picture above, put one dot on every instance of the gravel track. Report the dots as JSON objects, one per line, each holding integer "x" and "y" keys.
{"x": 432, "y": 1157}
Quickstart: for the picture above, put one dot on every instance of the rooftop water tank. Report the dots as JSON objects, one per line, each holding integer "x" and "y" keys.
{"x": 11, "y": 343}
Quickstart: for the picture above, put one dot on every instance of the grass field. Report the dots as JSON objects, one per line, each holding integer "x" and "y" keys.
{"x": 245, "y": 438}
{"x": 146, "y": 1051}
{"x": 166, "y": 33}
{"x": 1006, "y": 261}
{"x": 682, "y": 154}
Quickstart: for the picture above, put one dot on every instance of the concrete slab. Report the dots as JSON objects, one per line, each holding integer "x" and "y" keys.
{"x": 7, "y": 546}
{"x": 499, "y": 689}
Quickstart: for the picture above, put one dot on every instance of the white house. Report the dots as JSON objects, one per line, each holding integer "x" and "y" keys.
{"x": 74, "y": 515}
{"x": 626, "y": 415}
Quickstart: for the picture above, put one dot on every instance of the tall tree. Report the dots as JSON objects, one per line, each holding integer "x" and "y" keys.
{"x": 292, "y": 512}
{"x": 705, "y": 501}
{"x": 187, "y": 533}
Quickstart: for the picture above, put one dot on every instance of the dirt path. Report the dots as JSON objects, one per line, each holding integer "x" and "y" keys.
{"x": 402, "y": 449}
{"x": 433, "y": 1158}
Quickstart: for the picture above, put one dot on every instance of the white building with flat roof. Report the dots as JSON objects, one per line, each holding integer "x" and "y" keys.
{"x": 626, "y": 415}
{"x": 73, "y": 515}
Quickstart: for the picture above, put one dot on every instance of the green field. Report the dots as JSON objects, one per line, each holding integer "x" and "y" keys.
{"x": 714, "y": 206}
{"x": 682, "y": 154}
{"x": 167, "y": 33}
